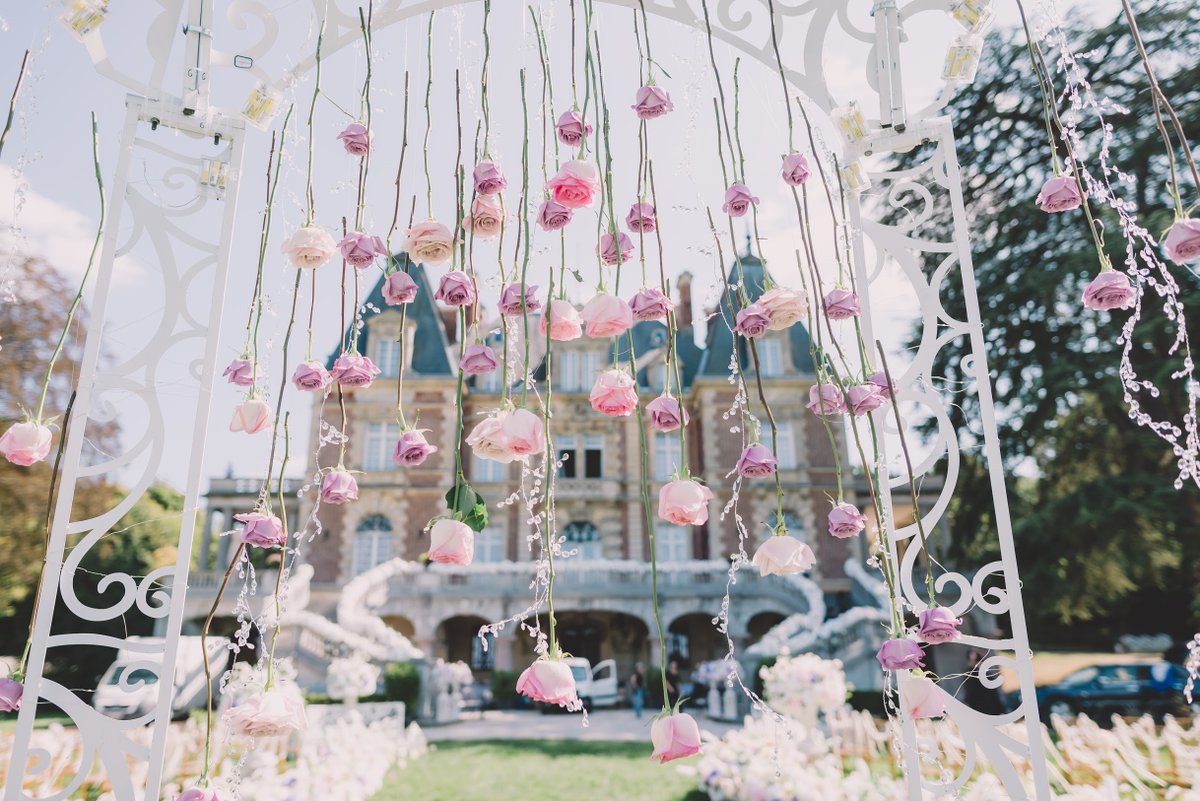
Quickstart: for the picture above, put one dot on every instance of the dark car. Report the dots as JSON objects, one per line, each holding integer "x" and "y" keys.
{"x": 1129, "y": 690}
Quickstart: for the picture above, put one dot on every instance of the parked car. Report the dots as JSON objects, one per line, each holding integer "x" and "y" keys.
{"x": 476, "y": 697}
{"x": 129, "y": 687}
{"x": 1134, "y": 689}
{"x": 595, "y": 686}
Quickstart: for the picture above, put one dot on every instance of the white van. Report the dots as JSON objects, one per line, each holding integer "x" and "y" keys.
{"x": 129, "y": 688}
{"x": 595, "y": 686}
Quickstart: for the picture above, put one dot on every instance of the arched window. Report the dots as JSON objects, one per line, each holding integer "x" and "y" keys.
{"x": 585, "y": 538}
{"x": 372, "y": 543}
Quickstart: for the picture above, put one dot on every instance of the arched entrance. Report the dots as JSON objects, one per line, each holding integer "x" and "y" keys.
{"x": 595, "y": 636}
{"x": 760, "y": 624}
{"x": 692, "y": 639}
{"x": 458, "y": 641}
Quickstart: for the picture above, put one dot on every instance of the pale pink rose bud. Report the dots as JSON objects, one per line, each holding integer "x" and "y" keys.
{"x": 510, "y": 300}
{"x": 338, "y": 487}
{"x": 841, "y": 304}
{"x": 412, "y": 448}
{"x": 356, "y": 139}
{"x": 272, "y": 713}
{"x": 845, "y": 521}
{"x": 571, "y": 128}
{"x": 938, "y": 625}
{"x": 549, "y": 681}
{"x": 1109, "y": 290}
{"x": 478, "y": 359}
{"x": 864, "y": 399}
{"x": 451, "y": 542}
{"x": 753, "y": 321}
{"x": 486, "y": 217}
{"x": 352, "y": 370}
{"x": 757, "y": 461}
{"x": 311, "y": 376}
{"x": 251, "y": 416}
{"x": 606, "y": 316}
{"x": 524, "y": 432}
{"x": 553, "y": 215}
{"x": 198, "y": 794}
{"x": 456, "y": 289}
{"x": 1060, "y": 194}
{"x": 488, "y": 178}
{"x": 261, "y": 531}
{"x": 26, "y": 443}
{"x": 738, "y": 200}
{"x": 782, "y": 556}
{"x": 429, "y": 242}
{"x": 241, "y": 372}
{"x": 902, "y": 654}
{"x": 565, "y": 322}
{"x": 879, "y": 379}
{"x": 786, "y": 307}
{"x": 399, "y": 288}
{"x": 652, "y": 101}
{"x": 674, "y": 737}
{"x": 921, "y": 697}
{"x": 666, "y": 413}
{"x": 826, "y": 399}
{"x": 490, "y": 441}
{"x": 795, "y": 169}
{"x": 309, "y": 247}
{"x": 641, "y": 218}
{"x": 650, "y": 304}
{"x": 1183, "y": 241}
{"x": 10, "y": 695}
{"x": 359, "y": 249}
{"x": 575, "y": 185}
{"x": 614, "y": 249}
{"x": 684, "y": 503}
{"x": 614, "y": 394}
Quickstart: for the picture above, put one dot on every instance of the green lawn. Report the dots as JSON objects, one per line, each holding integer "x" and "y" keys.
{"x": 539, "y": 770}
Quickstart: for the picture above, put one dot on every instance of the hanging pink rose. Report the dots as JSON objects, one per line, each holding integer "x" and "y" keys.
{"x": 674, "y": 737}
{"x": 399, "y": 288}
{"x": 488, "y": 178}
{"x": 352, "y": 370}
{"x": 666, "y": 413}
{"x": 338, "y": 487}
{"x": 785, "y": 307}
{"x": 451, "y": 542}
{"x": 10, "y": 695}
{"x": 904, "y": 654}
{"x": 429, "y": 242}
{"x": 757, "y": 461}
{"x": 360, "y": 250}
{"x": 565, "y": 322}
{"x": 251, "y": 416}
{"x": 606, "y": 316}
{"x": 753, "y": 321}
{"x": 571, "y": 128}
{"x": 841, "y": 304}
{"x": 879, "y": 379}
{"x": 641, "y": 218}
{"x": 650, "y": 304}
{"x": 490, "y": 441}
{"x": 456, "y": 289}
{"x": 553, "y": 215}
{"x": 738, "y": 200}
{"x": 486, "y": 217}
{"x": 478, "y": 359}
{"x": 684, "y": 503}
{"x": 782, "y": 556}
{"x": 921, "y": 697}
{"x": 575, "y": 185}
{"x": 845, "y": 521}
{"x": 26, "y": 443}
{"x": 1060, "y": 194}
{"x": 614, "y": 249}
{"x": 1109, "y": 290}
{"x": 198, "y": 794}
{"x": 864, "y": 399}
{"x": 826, "y": 399}
{"x": 261, "y": 531}
{"x": 311, "y": 376}
{"x": 1183, "y": 241}
{"x": 309, "y": 247}
{"x": 652, "y": 102}
{"x": 510, "y": 300}
{"x": 549, "y": 681}
{"x": 412, "y": 448}
{"x": 241, "y": 372}
{"x": 614, "y": 394}
{"x": 938, "y": 625}
{"x": 271, "y": 713}
{"x": 524, "y": 432}
{"x": 356, "y": 139}
{"x": 795, "y": 169}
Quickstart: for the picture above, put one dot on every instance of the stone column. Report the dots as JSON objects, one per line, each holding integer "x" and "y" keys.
{"x": 206, "y": 541}
{"x": 223, "y": 544}
{"x": 505, "y": 645}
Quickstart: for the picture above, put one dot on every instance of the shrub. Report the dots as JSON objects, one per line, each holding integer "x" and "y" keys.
{"x": 402, "y": 682}
{"x": 504, "y": 688}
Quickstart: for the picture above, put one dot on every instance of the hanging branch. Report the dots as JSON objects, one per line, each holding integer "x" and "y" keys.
{"x": 12, "y": 103}
{"x": 428, "y": 113}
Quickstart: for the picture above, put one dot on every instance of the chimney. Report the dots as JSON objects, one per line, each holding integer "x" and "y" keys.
{"x": 683, "y": 313}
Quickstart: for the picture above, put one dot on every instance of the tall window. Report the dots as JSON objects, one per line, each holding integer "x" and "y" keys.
{"x": 487, "y": 470}
{"x": 569, "y": 467}
{"x": 577, "y": 369}
{"x": 372, "y": 543}
{"x": 770, "y": 356}
{"x": 490, "y": 382}
{"x": 672, "y": 543}
{"x": 593, "y": 456}
{"x": 585, "y": 538}
{"x": 387, "y": 357}
{"x": 666, "y": 454}
{"x": 489, "y": 545}
{"x": 381, "y": 441}
{"x": 483, "y": 656}
{"x": 786, "y": 436}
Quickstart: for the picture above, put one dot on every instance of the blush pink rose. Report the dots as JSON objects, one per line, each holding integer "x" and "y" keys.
{"x": 782, "y": 556}
{"x": 26, "y": 443}
{"x": 399, "y": 288}
{"x": 606, "y": 316}
{"x": 614, "y": 394}
{"x": 641, "y": 218}
{"x": 650, "y": 304}
{"x": 652, "y": 101}
{"x": 260, "y": 530}
{"x": 1109, "y": 290}
{"x": 841, "y": 304}
{"x": 478, "y": 359}
{"x": 826, "y": 399}
{"x": 879, "y": 379}
{"x": 1060, "y": 194}
{"x": 356, "y": 139}
{"x": 553, "y": 215}
{"x": 524, "y": 433}
{"x": 198, "y": 794}
{"x": 271, "y": 713}
{"x": 309, "y": 247}
{"x": 511, "y": 299}
{"x": 864, "y": 399}
{"x": 674, "y": 737}
{"x": 614, "y": 248}
{"x": 429, "y": 242}
{"x": 684, "y": 503}
{"x": 785, "y": 307}
{"x": 738, "y": 200}
{"x": 412, "y": 448}
{"x": 456, "y": 289}
{"x": 845, "y": 521}
{"x": 903, "y": 654}
{"x": 549, "y": 681}
{"x": 753, "y": 321}
{"x": 1182, "y": 242}
{"x": 311, "y": 376}
{"x": 938, "y": 625}
{"x": 486, "y": 217}
{"x": 571, "y": 128}
{"x": 666, "y": 413}
{"x": 757, "y": 461}
{"x": 795, "y": 169}
{"x": 353, "y": 370}
{"x": 359, "y": 249}
{"x": 451, "y": 542}
{"x": 575, "y": 185}
{"x": 10, "y": 695}
{"x": 251, "y": 416}
{"x": 488, "y": 178}
{"x": 921, "y": 697}
{"x": 565, "y": 322}
{"x": 241, "y": 372}
{"x": 489, "y": 440}
{"x": 338, "y": 487}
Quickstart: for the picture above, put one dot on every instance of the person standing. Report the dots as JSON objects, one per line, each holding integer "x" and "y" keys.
{"x": 672, "y": 683}
{"x": 637, "y": 689}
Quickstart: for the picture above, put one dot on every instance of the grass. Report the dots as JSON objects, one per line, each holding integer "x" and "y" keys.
{"x": 539, "y": 770}
{"x": 8, "y": 721}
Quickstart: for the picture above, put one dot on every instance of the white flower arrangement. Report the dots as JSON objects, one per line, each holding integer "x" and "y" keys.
{"x": 350, "y": 678}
